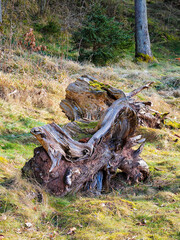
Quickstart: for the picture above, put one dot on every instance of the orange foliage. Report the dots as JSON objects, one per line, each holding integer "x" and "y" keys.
{"x": 29, "y": 42}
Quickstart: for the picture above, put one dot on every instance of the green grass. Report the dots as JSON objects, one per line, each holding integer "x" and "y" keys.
{"x": 148, "y": 210}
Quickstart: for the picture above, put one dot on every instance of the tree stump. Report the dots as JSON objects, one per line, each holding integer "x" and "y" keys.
{"x": 64, "y": 165}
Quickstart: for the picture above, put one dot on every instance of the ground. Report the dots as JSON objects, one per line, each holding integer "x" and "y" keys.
{"x": 31, "y": 88}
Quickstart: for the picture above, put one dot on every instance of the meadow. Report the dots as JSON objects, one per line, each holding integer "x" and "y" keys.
{"x": 31, "y": 88}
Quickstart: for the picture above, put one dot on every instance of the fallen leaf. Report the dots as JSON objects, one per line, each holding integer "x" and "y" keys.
{"x": 56, "y": 233}
{"x": 103, "y": 204}
{"x": 118, "y": 213}
{"x": 35, "y": 208}
{"x": 79, "y": 225}
{"x": 28, "y": 224}
{"x": 71, "y": 231}
{"x": 157, "y": 169}
{"x": 84, "y": 140}
{"x": 18, "y": 231}
{"x": 51, "y": 235}
{"x": 142, "y": 223}
{"x": 3, "y": 217}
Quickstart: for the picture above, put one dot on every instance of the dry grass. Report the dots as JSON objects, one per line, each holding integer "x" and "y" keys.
{"x": 31, "y": 87}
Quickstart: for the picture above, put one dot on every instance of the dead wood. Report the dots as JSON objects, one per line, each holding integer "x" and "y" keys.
{"x": 87, "y": 100}
{"x": 64, "y": 165}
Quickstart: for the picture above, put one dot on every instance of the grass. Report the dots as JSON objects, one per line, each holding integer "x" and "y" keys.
{"x": 31, "y": 88}
{"x": 142, "y": 211}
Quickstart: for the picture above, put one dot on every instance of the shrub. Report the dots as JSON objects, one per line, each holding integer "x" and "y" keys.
{"x": 29, "y": 42}
{"x": 51, "y": 27}
{"x": 101, "y": 39}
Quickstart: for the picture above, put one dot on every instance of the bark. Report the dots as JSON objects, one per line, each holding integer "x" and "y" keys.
{"x": 64, "y": 165}
{"x": 0, "y": 13}
{"x": 142, "y": 38}
{"x": 42, "y": 6}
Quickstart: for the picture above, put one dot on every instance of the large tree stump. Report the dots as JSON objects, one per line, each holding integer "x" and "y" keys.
{"x": 64, "y": 165}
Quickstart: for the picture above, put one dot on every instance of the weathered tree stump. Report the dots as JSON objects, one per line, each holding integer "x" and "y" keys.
{"x": 64, "y": 165}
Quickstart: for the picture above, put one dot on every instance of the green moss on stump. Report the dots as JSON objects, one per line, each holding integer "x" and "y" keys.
{"x": 98, "y": 86}
{"x": 141, "y": 57}
{"x": 89, "y": 125}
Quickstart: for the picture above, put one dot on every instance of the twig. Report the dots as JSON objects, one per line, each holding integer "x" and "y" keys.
{"x": 136, "y": 91}
{"x": 15, "y": 91}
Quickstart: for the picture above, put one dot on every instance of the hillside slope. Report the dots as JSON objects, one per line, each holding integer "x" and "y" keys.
{"x": 55, "y": 27}
{"x": 31, "y": 87}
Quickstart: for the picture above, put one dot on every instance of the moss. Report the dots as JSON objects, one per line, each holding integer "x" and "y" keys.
{"x": 3, "y": 160}
{"x": 98, "y": 86}
{"x": 85, "y": 127}
{"x": 89, "y": 125}
{"x": 141, "y": 57}
{"x": 151, "y": 134}
{"x": 171, "y": 37}
{"x": 171, "y": 124}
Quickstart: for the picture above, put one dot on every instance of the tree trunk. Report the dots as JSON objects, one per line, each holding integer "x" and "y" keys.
{"x": 142, "y": 39}
{"x": 64, "y": 165}
{"x": 42, "y": 6}
{"x": 0, "y": 14}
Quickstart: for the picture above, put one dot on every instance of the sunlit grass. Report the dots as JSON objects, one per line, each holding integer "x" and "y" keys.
{"x": 142, "y": 211}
